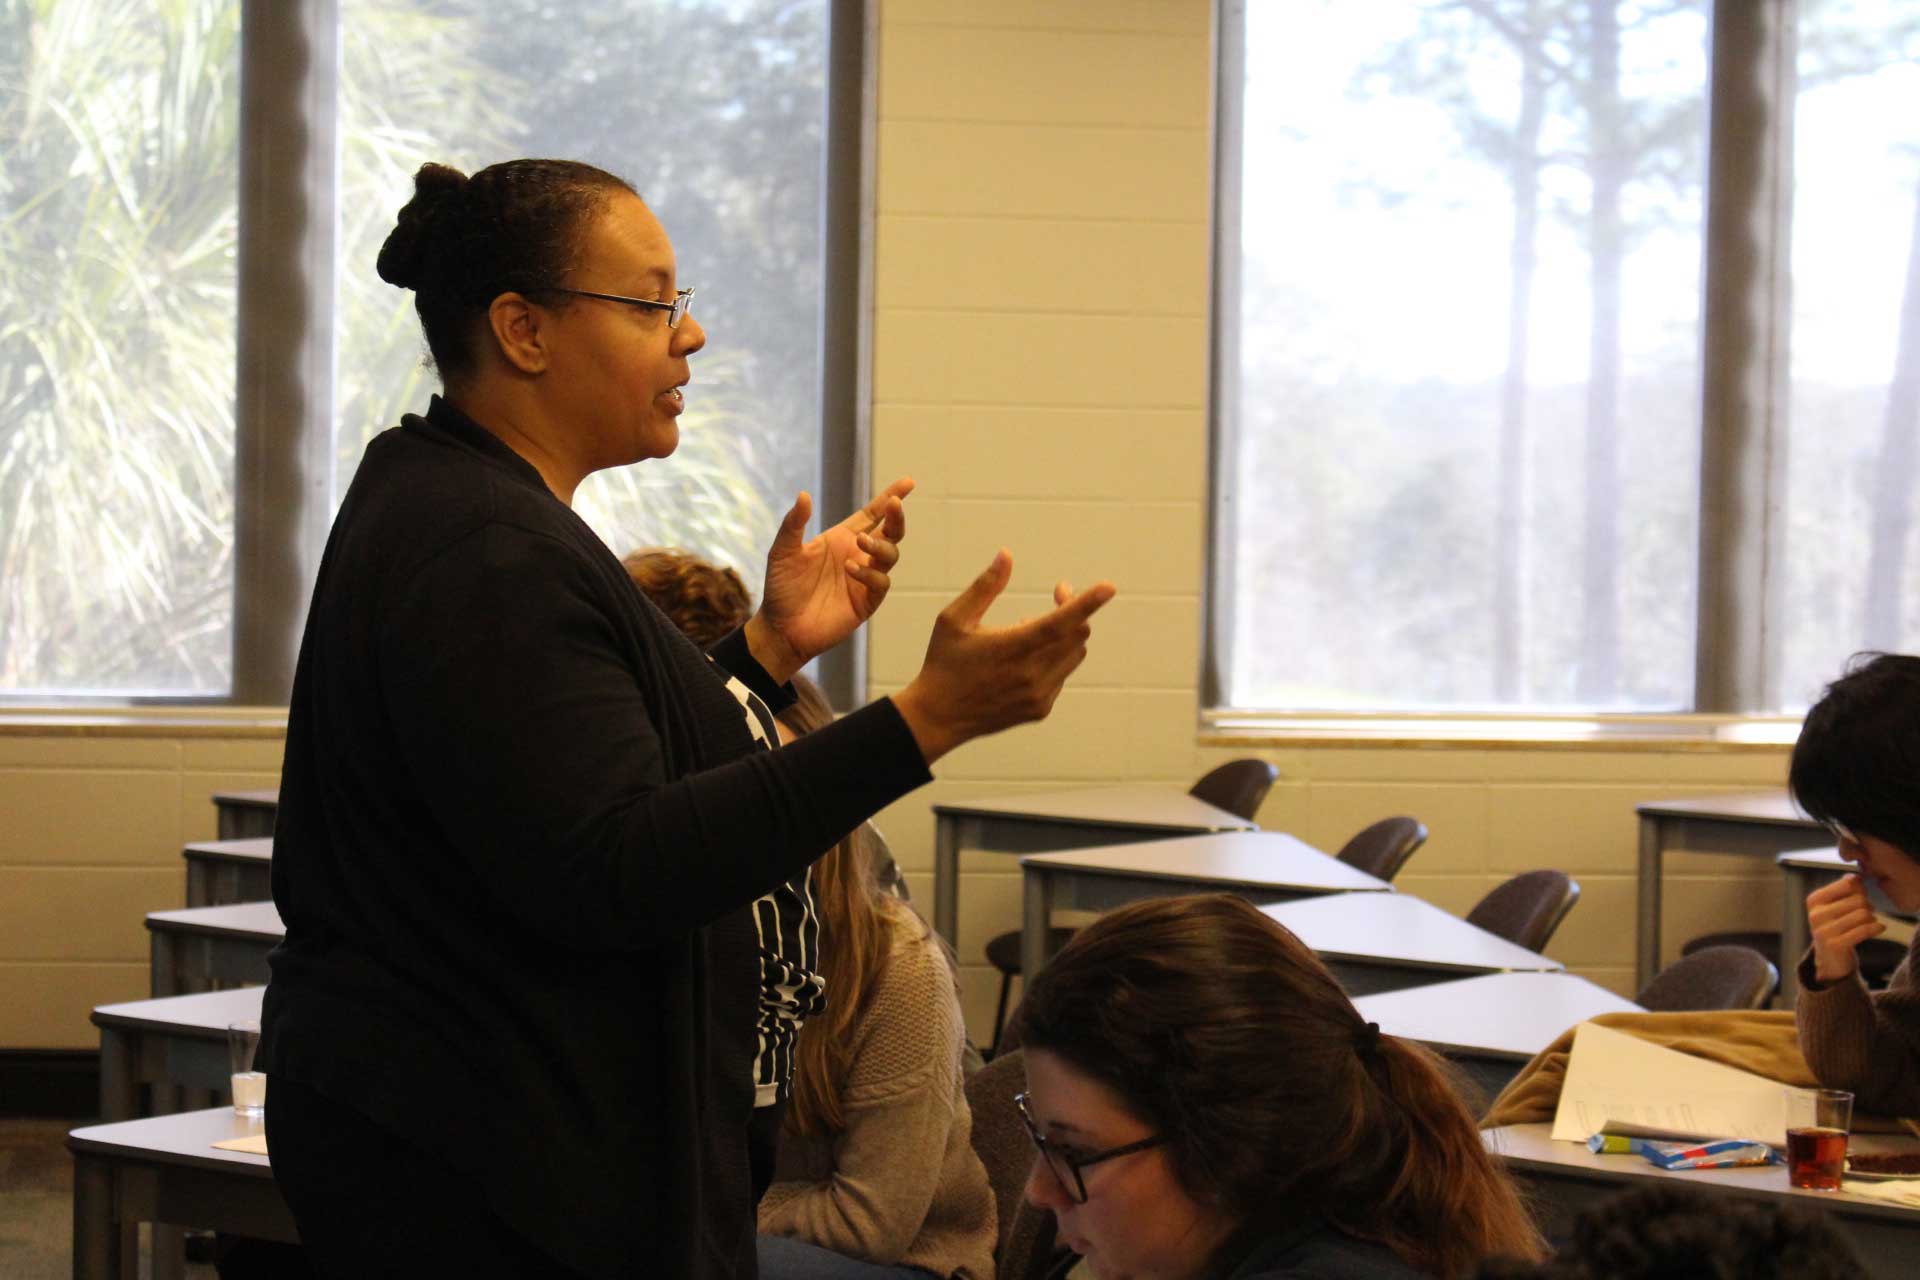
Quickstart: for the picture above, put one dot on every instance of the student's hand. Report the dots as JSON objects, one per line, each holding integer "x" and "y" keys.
{"x": 1840, "y": 918}
{"x": 819, "y": 590}
{"x": 978, "y": 680}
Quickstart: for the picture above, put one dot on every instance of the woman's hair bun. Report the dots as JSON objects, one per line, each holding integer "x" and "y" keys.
{"x": 403, "y": 259}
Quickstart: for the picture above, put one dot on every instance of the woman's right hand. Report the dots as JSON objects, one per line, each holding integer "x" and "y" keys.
{"x": 978, "y": 680}
{"x": 1840, "y": 918}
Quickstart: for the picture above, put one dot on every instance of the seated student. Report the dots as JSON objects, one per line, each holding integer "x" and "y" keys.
{"x": 877, "y": 1175}
{"x": 1661, "y": 1231}
{"x": 1207, "y": 1102}
{"x": 1856, "y": 768}
{"x": 707, "y": 602}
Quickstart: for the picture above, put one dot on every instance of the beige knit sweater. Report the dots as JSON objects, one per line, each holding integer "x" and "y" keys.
{"x": 1867, "y": 1042}
{"x": 901, "y": 1184}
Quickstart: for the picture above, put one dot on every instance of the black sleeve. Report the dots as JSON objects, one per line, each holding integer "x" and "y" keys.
{"x": 534, "y": 750}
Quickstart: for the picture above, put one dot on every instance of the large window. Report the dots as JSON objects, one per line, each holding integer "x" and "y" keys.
{"x": 135, "y": 558}
{"x": 1472, "y": 377}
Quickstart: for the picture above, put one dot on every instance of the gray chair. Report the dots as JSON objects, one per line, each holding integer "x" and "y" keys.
{"x": 1712, "y": 978}
{"x": 1879, "y": 957}
{"x": 1382, "y": 848}
{"x": 1528, "y": 908}
{"x": 1238, "y": 786}
{"x": 1027, "y": 1248}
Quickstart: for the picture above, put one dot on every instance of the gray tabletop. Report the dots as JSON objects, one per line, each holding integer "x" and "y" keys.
{"x": 185, "y": 1139}
{"x": 263, "y": 799}
{"x": 1496, "y": 1015}
{"x": 1399, "y": 930}
{"x": 1151, "y": 807}
{"x": 1246, "y": 859}
{"x": 207, "y": 1012}
{"x": 250, "y": 850}
{"x": 240, "y": 920}
{"x": 1765, "y": 807}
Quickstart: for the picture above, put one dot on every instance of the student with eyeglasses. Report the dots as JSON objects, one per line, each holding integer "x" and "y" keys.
{"x": 1206, "y": 1102}
{"x": 512, "y": 1029}
{"x": 1856, "y": 768}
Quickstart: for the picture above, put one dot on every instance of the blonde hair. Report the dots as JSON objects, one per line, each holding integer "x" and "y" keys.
{"x": 859, "y": 923}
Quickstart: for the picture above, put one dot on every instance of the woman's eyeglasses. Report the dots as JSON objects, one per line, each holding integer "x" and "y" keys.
{"x": 676, "y": 310}
{"x": 1065, "y": 1167}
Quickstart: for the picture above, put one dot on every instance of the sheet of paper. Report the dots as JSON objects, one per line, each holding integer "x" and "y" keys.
{"x": 1902, "y": 1191}
{"x": 1619, "y": 1082}
{"x": 252, "y": 1144}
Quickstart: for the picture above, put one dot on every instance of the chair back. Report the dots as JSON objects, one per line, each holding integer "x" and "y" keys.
{"x": 1711, "y": 978}
{"x": 1026, "y": 1247}
{"x": 1237, "y": 786}
{"x": 886, "y": 872}
{"x": 1528, "y": 908}
{"x": 1382, "y": 848}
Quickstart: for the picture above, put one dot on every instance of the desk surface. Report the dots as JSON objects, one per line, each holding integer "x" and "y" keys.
{"x": 185, "y": 1138}
{"x": 1398, "y": 929}
{"x": 254, "y": 849}
{"x": 1163, "y": 808}
{"x": 1497, "y": 1015}
{"x": 1527, "y": 1146}
{"x": 1771, "y": 807}
{"x": 207, "y": 1013}
{"x": 1250, "y": 859}
{"x": 1822, "y": 859}
{"x": 268, "y": 799}
{"x": 241, "y": 919}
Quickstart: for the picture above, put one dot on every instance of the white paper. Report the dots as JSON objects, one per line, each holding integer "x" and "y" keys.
{"x": 252, "y": 1144}
{"x": 1620, "y": 1081}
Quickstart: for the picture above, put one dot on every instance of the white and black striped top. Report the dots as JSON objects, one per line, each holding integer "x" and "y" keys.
{"x": 791, "y": 988}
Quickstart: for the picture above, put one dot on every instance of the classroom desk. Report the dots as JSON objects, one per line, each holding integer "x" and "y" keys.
{"x": 1493, "y": 1025}
{"x": 177, "y": 1042}
{"x": 1261, "y": 866}
{"x": 1805, "y": 870}
{"x": 1755, "y": 824}
{"x": 197, "y": 947}
{"x": 241, "y": 815}
{"x": 165, "y": 1169}
{"x": 1378, "y": 942}
{"x": 220, "y": 872}
{"x": 1053, "y": 820}
{"x": 1565, "y": 1177}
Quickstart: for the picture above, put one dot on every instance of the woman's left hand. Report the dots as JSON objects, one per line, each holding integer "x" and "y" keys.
{"x": 820, "y": 590}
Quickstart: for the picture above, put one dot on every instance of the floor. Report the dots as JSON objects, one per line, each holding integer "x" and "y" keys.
{"x": 36, "y": 1202}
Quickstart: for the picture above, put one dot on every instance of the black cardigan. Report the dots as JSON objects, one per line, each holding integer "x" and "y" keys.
{"x": 520, "y": 822}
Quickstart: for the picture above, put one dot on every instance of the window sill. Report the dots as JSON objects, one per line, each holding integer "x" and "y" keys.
{"x": 1705, "y": 733}
{"x": 80, "y": 721}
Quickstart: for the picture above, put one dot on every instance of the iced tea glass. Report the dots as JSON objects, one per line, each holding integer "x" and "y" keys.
{"x": 1817, "y": 1123}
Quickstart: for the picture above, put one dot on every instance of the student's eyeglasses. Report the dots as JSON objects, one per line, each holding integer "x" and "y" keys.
{"x": 676, "y": 310}
{"x": 1841, "y": 831}
{"x": 1064, "y": 1164}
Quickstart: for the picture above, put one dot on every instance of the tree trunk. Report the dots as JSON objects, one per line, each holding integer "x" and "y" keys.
{"x": 1894, "y": 473}
{"x": 1510, "y": 522}
{"x": 1600, "y": 650}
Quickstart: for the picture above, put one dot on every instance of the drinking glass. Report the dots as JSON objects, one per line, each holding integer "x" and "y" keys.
{"x": 1817, "y": 1123}
{"x": 249, "y": 1086}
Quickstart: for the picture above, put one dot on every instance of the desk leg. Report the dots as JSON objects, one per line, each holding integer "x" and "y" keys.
{"x": 99, "y": 1246}
{"x": 169, "y": 1251}
{"x": 119, "y": 1091}
{"x": 199, "y": 892}
{"x": 1036, "y": 914}
{"x": 1647, "y": 935}
{"x": 946, "y": 877}
{"x": 164, "y": 963}
{"x": 1795, "y": 934}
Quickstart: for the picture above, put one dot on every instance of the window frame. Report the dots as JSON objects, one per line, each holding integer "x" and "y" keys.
{"x": 283, "y": 400}
{"x": 1746, "y": 317}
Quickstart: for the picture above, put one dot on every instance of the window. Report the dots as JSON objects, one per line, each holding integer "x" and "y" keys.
{"x": 1475, "y": 390}
{"x": 163, "y": 515}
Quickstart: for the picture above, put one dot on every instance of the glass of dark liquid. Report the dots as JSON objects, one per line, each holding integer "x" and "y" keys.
{"x": 1817, "y": 1123}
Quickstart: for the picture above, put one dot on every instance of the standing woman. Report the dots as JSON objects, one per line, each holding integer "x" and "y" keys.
{"x": 877, "y": 1177}
{"x": 1208, "y": 1103}
{"x": 511, "y": 1028}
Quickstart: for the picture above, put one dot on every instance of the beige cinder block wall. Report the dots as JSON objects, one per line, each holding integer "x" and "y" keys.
{"x": 1041, "y": 367}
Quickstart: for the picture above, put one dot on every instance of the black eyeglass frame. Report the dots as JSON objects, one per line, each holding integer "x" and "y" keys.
{"x": 676, "y": 310}
{"x": 1076, "y": 1187}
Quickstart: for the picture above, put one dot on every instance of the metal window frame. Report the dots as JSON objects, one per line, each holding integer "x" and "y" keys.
{"x": 1746, "y": 314}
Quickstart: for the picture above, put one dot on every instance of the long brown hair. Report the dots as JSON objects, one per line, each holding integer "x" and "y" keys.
{"x": 858, "y": 924}
{"x": 1221, "y": 1030}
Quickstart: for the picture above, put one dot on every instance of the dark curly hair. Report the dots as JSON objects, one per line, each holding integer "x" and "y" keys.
{"x": 1220, "y": 1029}
{"x": 461, "y": 242}
{"x": 1662, "y": 1232}
{"x": 706, "y": 601}
{"x": 1857, "y": 760}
